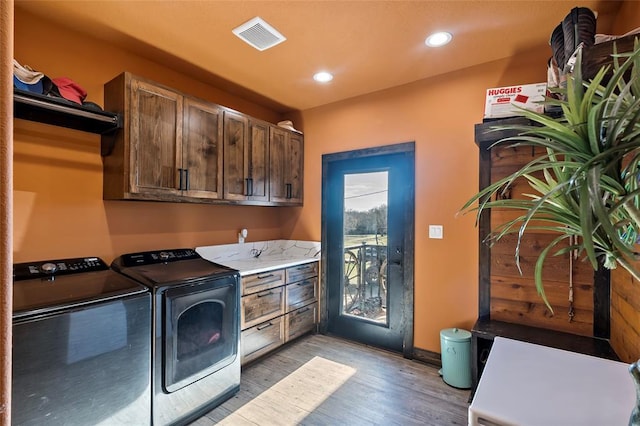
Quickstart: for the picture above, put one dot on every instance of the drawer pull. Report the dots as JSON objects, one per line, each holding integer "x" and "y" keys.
{"x": 262, "y": 327}
{"x": 262, "y": 277}
{"x": 303, "y": 267}
{"x": 303, "y": 310}
{"x": 301, "y": 283}
{"x": 265, "y": 294}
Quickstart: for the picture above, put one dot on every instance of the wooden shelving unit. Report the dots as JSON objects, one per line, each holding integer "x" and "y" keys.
{"x": 58, "y": 112}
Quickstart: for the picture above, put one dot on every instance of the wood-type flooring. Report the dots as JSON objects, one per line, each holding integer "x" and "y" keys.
{"x": 323, "y": 380}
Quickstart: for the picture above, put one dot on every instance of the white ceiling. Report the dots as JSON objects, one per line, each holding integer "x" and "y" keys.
{"x": 367, "y": 45}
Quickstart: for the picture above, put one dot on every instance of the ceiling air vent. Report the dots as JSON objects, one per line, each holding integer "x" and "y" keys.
{"x": 259, "y": 34}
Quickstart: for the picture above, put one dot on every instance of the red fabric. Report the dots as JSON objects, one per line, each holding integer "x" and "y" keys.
{"x": 70, "y": 90}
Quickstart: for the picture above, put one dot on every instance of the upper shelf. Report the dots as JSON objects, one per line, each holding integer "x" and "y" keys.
{"x": 45, "y": 109}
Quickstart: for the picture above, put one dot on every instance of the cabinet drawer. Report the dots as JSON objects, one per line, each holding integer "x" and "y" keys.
{"x": 301, "y": 321}
{"x": 261, "y": 307}
{"x": 300, "y": 272}
{"x": 262, "y": 338}
{"x": 264, "y": 281}
{"x": 301, "y": 293}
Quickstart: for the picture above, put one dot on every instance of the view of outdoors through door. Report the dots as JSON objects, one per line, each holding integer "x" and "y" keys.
{"x": 364, "y": 282}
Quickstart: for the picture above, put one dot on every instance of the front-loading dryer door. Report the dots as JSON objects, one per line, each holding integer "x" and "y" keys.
{"x": 201, "y": 330}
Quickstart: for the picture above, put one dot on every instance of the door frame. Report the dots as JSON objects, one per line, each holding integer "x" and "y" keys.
{"x": 408, "y": 149}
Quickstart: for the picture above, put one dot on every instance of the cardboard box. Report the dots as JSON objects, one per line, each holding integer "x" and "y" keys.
{"x": 501, "y": 101}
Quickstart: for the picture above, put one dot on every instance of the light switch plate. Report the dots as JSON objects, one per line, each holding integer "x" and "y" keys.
{"x": 435, "y": 231}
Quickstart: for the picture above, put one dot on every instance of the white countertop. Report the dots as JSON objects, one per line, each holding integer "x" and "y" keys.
{"x": 525, "y": 384}
{"x": 273, "y": 254}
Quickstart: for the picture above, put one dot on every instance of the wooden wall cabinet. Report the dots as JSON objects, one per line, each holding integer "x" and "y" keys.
{"x": 277, "y": 306}
{"x": 286, "y": 164}
{"x": 174, "y": 147}
{"x": 246, "y": 156}
{"x": 170, "y": 147}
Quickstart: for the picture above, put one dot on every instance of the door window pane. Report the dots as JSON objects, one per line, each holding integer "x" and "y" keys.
{"x": 364, "y": 289}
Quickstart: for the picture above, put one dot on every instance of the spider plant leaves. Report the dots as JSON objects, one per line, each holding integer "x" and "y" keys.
{"x": 586, "y": 224}
{"x": 537, "y": 274}
{"x": 586, "y": 183}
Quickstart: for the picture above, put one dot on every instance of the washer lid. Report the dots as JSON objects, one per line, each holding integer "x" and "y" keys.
{"x": 175, "y": 266}
{"x": 48, "y": 292}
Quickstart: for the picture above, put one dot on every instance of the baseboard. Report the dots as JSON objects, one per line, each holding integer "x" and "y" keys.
{"x": 428, "y": 357}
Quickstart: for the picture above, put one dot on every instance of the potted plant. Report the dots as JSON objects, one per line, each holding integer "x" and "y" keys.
{"x": 586, "y": 187}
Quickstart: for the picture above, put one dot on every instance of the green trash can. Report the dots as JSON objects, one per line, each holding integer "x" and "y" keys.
{"x": 455, "y": 347}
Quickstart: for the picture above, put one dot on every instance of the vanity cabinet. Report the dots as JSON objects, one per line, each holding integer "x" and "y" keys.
{"x": 246, "y": 156}
{"x": 277, "y": 306}
{"x": 170, "y": 147}
{"x": 286, "y": 163}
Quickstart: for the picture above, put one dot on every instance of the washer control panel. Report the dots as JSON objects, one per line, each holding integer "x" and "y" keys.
{"x": 160, "y": 256}
{"x": 52, "y": 268}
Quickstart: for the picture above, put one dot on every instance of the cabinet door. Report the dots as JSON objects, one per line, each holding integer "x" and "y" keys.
{"x": 295, "y": 160}
{"x": 236, "y": 148}
{"x": 285, "y": 166}
{"x": 258, "y": 160}
{"x": 156, "y": 125}
{"x": 201, "y": 171}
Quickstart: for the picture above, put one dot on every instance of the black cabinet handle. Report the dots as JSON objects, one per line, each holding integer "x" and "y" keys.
{"x": 307, "y": 282}
{"x": 265, "y": 294}
{"x": 288, "y": 194}
{"x": 262, "y": 277}
{"x": 303, "y": 310}
{"x": 262, "y": 327}
{"x": 250, "y": 186}
{"x": 180, "y": 177}
{"x": 246, "y": 181}
{"x": 186, "y": 185}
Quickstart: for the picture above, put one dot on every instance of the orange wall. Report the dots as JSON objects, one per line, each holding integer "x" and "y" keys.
{"x": 628, "y": 17}
{"x": 59, "y": 211}
{"x": 439, "y": 115}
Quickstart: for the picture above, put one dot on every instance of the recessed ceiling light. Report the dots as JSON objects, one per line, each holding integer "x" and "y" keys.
{"x": 323, "y": 77}
{"x": 438, "y": 39}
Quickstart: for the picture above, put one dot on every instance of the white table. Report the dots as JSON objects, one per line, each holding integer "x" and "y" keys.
{"x": 525, "y": 384}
